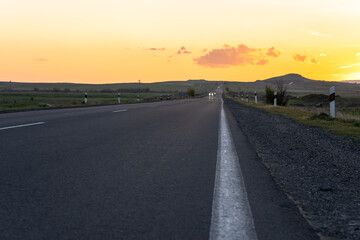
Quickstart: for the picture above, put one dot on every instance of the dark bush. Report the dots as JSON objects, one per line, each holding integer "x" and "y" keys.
{"x": 282, "y": 97}
{"x": 269, "y": 94}
{"x": 191, "y": 92}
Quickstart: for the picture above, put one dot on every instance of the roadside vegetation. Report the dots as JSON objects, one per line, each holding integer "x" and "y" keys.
{"x": 19, "y": 96}
{"x": 304, "y": 100}
{"x": 349, "y": 127}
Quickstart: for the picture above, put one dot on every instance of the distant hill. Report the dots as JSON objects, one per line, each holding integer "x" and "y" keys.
{"x": 190, "y": 81}
{"x": 288, "y": 79}
{"x": 352, "y": 81}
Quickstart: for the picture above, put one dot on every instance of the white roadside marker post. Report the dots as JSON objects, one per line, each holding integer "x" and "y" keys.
{"x": 247, "y": 97}
{"x": 85, "y": 101}
{"x": 332, "y": 102}
{"x": 275, "y": 99}
{"x": 209, "y": 96}
{"x": 138, "y": 98}
{"x": 255, "y": 97}
{"x": 242, "y": 97}
{"x": 118, "y": 97}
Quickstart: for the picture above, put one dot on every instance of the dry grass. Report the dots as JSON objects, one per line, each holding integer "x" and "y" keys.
{"x": 343, "y": 124}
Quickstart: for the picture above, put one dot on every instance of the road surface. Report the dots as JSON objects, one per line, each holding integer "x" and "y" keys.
{"x": 163, "y": 170}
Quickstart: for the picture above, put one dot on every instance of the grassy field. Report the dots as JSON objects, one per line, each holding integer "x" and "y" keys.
{"x": 296, "y": 88}
{"x": 17, "y": 96}
{"x": 162, "y": 87}
{"x": 34, "y": 100}
{"x": 348, "y": 127}
{"x": 350, "y": 112}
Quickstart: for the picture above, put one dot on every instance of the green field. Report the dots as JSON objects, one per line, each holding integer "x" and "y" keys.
{"x": 17, "y": 96}
{"x": 200, "y": 86}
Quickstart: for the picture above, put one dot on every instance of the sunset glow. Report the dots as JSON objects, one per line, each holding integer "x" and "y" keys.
{"x": 112, "y": 41}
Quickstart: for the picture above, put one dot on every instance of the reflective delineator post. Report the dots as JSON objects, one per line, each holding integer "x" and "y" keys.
{"x": 138, "y": 97}
{"x": 242, "y": 97}
{"x": 255, "y": 97}
{"x": 85, "y": 101}
{"x": 275, "y": 99}
{"x": 247, "y": 98}
{"x": 332, "y": 102}
{"x": 118, "y": 97}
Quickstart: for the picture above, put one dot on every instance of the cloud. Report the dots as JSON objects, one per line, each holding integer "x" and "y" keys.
{"x": 204, "y": 50}
{"x": 155, "y": 49}
{"x": 322, "y": 54}
{"x": 236, "y": 56}
{"x": 262, "y": 61}
{"x": 358, "y": 55}
{"x": 314, "y": 61}
{"x": 183, "y": 50}
{"x": 272, "y": 52}
{"x": 318, "y": 34}
{"x": 41, "y": 59}
{"x": 300, "y": 58}
{"x": 345, "y": 67}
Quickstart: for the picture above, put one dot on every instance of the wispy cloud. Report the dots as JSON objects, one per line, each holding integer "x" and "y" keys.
{"x": 318, "y": 34}
{"x": 236, "y": 56}
{"x": 41, "y": 59}
{"x": 183, "y": 50}
{"x": 322, "y": 54}
{"x": 300, "y": 58}
{"x": 358, "y": 55}
{"x": 314, "y": 61}
{"x": 349, "y": 66}
{"x": 155, "y": 49}
{"x": 272, "y": 52}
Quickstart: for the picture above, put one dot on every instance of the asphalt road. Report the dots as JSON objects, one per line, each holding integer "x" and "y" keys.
{"x": 136, "y": 171}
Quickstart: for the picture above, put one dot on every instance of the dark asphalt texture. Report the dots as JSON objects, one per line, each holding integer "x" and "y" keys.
{"x": 145, "y": 173}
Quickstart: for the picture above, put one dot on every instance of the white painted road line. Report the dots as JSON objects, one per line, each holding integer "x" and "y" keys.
{"x": 22, "y": 125}
{"x": 121, "y": 110}
{"x": 231, "y": 214}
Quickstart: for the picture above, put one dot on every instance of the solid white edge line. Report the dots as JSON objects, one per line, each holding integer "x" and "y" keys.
{"x": 231, "y": 213}
{"x": 121, "y": 110}
{"x": 22, "y": 125}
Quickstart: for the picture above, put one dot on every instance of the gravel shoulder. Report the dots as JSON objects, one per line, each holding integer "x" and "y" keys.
{"x": 319, "y": 171}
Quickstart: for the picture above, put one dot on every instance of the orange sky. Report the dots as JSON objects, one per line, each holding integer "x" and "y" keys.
{"x": 108, "y": 41}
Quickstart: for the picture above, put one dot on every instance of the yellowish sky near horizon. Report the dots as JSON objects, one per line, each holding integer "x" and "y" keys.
{"x": 106, "y": 41}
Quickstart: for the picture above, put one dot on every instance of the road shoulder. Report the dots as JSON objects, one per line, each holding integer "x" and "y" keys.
{"x": 275, "y": 216}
